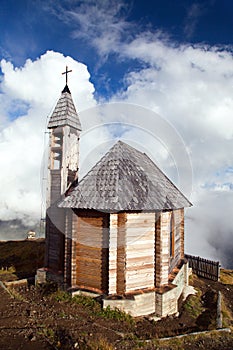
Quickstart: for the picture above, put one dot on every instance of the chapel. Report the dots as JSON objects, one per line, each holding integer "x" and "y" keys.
{"x": 118, "y": 232}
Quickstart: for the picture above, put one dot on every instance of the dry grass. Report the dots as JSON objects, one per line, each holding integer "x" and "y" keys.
{"x": 100, "y": 344}
{"x": 226, "y": 276}
{"x": 25, "y": 256}
{"x": 194, "y": 341}
{"x": 193, "y": 305}
{"x": 226, "y": 314}
{"x": 8, "y": 274}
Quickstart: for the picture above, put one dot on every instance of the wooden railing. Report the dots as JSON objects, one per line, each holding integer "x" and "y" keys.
{"x": 203, "y": 267}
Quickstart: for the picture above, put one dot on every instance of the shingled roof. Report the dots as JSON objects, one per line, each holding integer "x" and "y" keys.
{"x": 125, "y": 179}
{"x": 65, "y": 112}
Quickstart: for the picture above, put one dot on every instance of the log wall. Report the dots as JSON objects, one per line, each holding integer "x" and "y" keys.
{"x": 140, "y": 251}
{"x": 121, "y": 253}
{"x": 55, "y": 183}
{"x": 113, "y": 253}
{"x": 158, "y": 250}
{"x": 74, "y": 250}
{"x": 91, "y": 252}
{"x": 68, "y": 248}
{"x": 164, "y": 247}
{"x": 55, "y": 239}
{"x": 178, "y": 229}
{"x": 182, "y": 233}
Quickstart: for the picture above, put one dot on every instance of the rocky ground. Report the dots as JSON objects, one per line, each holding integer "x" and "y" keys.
{"x": 33, "y": 318}
{"x": 43, "y": 318}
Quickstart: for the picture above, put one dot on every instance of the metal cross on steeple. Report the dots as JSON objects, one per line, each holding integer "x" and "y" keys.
{"x": 66, "y": 73}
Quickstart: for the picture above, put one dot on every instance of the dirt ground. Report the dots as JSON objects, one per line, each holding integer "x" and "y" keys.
{"x": 41, "y": 318}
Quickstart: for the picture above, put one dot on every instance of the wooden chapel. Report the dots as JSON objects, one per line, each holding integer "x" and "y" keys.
{"x": 119, "y": 231}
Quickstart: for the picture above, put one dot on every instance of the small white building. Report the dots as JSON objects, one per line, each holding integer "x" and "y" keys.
{"x": 31, "y": 234}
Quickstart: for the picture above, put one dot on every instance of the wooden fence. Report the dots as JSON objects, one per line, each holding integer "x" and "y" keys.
{"x": 203, "y": 267}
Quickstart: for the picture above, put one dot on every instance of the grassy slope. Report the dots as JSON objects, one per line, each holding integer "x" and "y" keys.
{"x": 22, "y": 257}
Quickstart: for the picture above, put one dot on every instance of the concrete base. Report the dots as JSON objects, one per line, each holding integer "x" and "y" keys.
{"x": 44, "y": 275}
{"x": 85, "y": 293}
{"x": 157, "y": 303}
{"x": 17, "y": 283}
{"x": 188, "y": 290}
{"x": 137, "y": 305}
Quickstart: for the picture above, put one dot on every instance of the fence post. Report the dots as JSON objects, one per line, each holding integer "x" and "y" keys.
{"x": 218, "y": 272}
{"x": 198, "y": 266}
{"x": 219, "y": 313}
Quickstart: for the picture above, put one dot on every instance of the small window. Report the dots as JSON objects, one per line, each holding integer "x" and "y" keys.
{"x": 56, "y": 160}
{"x": 56, "y": 150}
{"x": 57, "y": 140}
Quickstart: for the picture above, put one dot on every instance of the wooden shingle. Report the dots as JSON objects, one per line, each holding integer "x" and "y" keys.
{"x": 65, "y": 112}
{"x": 125, "y": 179}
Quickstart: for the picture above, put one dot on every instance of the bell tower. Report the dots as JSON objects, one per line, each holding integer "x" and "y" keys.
{"x": 65, "y": 127}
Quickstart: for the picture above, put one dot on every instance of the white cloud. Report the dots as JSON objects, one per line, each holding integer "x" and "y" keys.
{"x": 100, "y": 23}
{"x": 40, "y": 82}
{"x": 198, "y": 101}
{"x": 195, "y": 11}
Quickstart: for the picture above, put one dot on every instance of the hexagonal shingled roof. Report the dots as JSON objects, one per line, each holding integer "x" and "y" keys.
{"x": 125, "y": 179}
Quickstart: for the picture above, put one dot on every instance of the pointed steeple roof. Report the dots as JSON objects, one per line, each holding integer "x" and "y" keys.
{"x": 65, "y": 112}
{"x": 66, "y": 89}
{"x": 125, "y": 179}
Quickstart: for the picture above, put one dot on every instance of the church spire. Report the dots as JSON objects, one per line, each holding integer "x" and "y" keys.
{"x": 65, "y": 112}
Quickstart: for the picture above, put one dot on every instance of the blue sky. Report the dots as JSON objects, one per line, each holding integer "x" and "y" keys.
{"x": 162, "y": 72}
{"x": 30, "y": 28}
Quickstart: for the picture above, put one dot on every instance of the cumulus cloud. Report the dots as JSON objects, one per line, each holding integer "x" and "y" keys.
{"x": 39, "y": 82}
{"x": 34, "y": 90}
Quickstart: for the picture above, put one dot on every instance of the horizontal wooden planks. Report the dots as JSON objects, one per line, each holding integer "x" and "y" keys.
{"x": 92, "y": 251}
{"x": 140, "y": 251}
